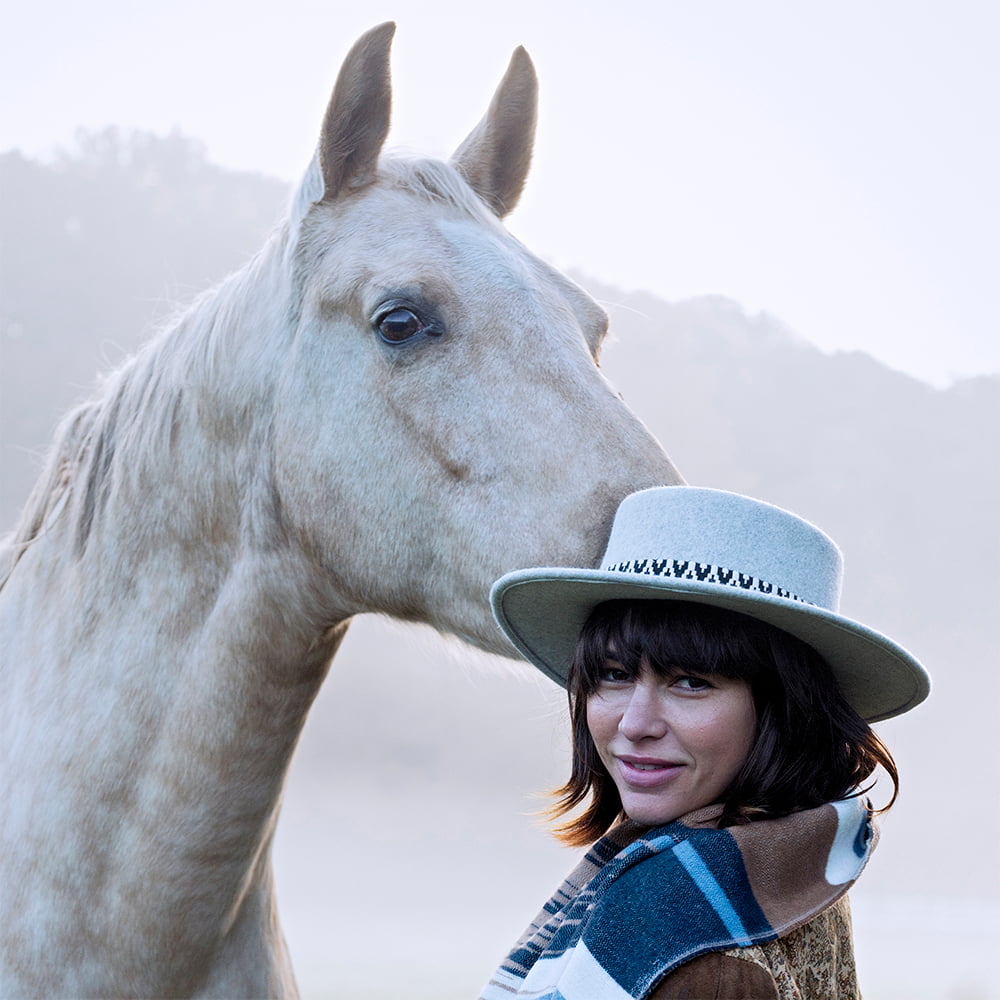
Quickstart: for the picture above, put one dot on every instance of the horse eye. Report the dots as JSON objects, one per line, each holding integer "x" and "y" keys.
{"x": 399, "y": 325}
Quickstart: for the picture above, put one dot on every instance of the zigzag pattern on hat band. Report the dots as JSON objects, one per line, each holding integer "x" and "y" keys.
{"x": 686, "y": 569}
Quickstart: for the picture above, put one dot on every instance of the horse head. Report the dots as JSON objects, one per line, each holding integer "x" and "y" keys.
{"x": 441, "y": 417}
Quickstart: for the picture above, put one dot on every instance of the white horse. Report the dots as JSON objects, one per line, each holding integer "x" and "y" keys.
{"x": 390, "y": 406}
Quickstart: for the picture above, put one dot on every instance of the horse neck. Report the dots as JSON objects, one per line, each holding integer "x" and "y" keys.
{"x": 175, "y": 642}
{"x": 163, "y": 535}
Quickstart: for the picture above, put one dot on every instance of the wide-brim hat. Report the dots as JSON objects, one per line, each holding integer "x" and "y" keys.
{"x": 685, "y": 543}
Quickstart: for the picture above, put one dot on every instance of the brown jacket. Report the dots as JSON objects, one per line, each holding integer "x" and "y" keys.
{"x": 813, "y": 962}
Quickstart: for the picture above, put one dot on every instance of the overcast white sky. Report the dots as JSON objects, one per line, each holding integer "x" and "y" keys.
{"x": 833, "y": 164}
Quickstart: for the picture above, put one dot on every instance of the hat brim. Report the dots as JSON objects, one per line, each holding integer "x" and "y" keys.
{"x": 543, "y": 610}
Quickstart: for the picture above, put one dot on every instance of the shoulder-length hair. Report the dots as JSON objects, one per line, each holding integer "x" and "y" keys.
{"x": 811, "y": 746}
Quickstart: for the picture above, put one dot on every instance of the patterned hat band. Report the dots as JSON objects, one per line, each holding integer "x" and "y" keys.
{"x": 686, "y": 569}
{"x": 541, "y": 609}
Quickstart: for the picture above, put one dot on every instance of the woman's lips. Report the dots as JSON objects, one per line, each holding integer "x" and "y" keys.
{"x": 646, "y": 772}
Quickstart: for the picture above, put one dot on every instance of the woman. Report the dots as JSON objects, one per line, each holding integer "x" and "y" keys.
{"x": 721, "y": 748}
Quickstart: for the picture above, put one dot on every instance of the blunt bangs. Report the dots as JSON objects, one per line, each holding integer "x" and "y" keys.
{"x": 672, "y": 637}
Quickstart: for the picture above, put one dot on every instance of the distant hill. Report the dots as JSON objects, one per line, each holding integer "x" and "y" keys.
{"x": 97, "y": 248}
{"x": 904, "y": 474}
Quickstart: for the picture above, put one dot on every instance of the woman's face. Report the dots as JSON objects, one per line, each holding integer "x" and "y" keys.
{"x": 671, "y": 744}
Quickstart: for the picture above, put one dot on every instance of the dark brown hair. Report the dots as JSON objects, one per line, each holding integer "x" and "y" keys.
{"x": 811, "y": 746}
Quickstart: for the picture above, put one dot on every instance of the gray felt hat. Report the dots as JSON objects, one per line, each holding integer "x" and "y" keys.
{"x": 685, "y": 543}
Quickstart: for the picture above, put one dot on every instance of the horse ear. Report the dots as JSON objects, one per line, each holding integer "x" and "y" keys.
{"x": 357, "y": 117}
{"x": 495, "y": 157}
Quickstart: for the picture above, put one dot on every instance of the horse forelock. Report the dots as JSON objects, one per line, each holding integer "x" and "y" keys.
{"x": 436, "y": 182}
{"x": 433, "y": 180}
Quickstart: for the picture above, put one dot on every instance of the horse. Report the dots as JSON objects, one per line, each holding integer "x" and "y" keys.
{"x": 393, "y": 403}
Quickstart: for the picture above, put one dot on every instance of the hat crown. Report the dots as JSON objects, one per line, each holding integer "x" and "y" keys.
{"x": 686, "y": 543}
{"x": 657, "y": 531}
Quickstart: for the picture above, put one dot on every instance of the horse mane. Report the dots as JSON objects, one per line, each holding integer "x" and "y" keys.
{"x": 51, "y": 491}
{"x": 138, "y": 406}
{"x": 134, "y": 415}
{"x": 78, "y": 468}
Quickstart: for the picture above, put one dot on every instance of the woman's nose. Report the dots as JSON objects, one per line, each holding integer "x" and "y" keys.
{"x": 643, "y": 717}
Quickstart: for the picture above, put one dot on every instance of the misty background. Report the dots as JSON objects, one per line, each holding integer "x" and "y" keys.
{"x": 833, "y": 163}
{"x": 408, "y": 858}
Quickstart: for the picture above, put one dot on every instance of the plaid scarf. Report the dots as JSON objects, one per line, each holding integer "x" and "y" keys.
{"x": 644, "y": 901}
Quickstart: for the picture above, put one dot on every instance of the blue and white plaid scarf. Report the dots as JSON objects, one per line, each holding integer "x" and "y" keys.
{"x": 643, "y": 902}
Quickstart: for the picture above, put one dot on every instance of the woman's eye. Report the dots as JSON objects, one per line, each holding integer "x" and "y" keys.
{"x": 614, "y": 675}
{"x": 399, "y": 325}
{"x": 691, "y": 683}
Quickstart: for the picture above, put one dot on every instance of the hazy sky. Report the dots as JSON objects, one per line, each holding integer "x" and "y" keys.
{"x": 833, "y": 164}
